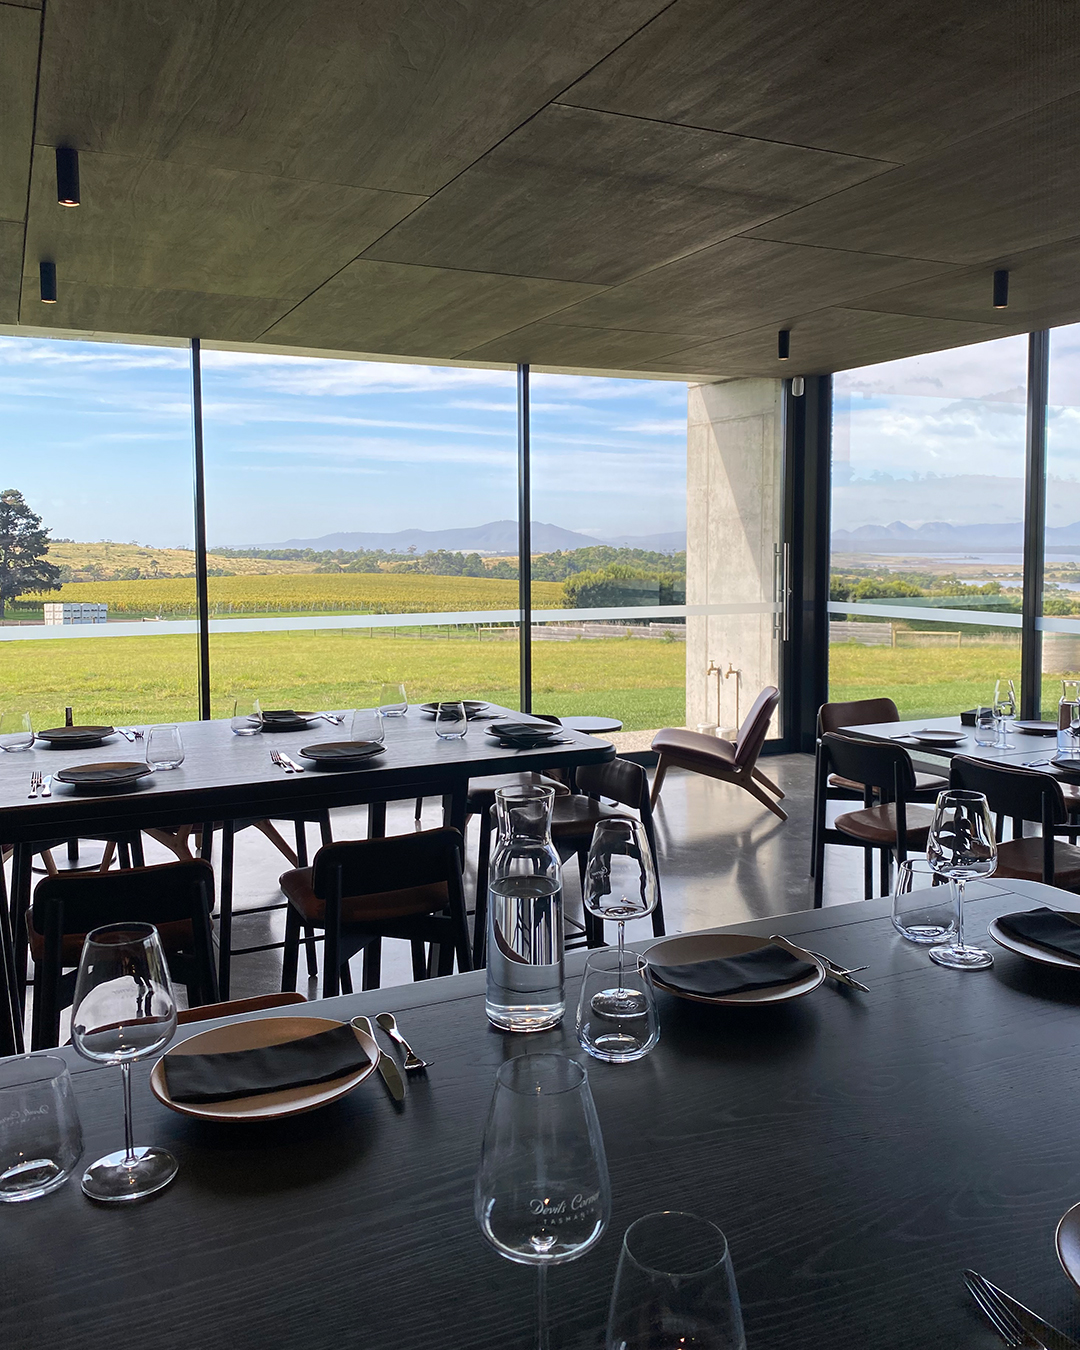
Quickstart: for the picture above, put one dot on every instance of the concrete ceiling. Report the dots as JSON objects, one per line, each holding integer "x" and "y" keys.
{"x": 641, "y": 186}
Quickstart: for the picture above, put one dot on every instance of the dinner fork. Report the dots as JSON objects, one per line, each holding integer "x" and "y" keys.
{"x": 412, "y": 1062}
{"x": 275, "y": 757}
{"x": 1000, "y": 1316}
{"x": 35, "y": 783}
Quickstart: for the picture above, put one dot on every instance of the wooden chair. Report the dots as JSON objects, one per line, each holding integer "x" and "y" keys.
{"x": 730, "y": 762}
{"x": 1024, "y": 794}
{"x": 861, "y": 712}
{"x": 360, "y": 891}
{"x": 176, "y": 898}
{"x": 892, "y": 826}
{"x": 237, "y": 1007}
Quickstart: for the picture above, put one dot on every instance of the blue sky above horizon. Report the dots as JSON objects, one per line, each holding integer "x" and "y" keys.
{"x": 98, "y": 438}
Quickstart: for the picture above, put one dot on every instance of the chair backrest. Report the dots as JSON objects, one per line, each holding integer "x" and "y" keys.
{"x": 876, "y": 764}
{"x": 862, "y": 712}
{"x": 620, "y": 780}
{"x": 400, "y": 862}
{"x": 170, "y": 893}
{"x": 755, "y": 728}
{"x": 1022, "y": 794}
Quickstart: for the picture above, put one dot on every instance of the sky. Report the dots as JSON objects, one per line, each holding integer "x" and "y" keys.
{"x": 941, "y": 437}
{"x": 98, "y": 438}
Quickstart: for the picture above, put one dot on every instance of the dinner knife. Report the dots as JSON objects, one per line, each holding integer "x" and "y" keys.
{"x": 391, "y": 1076}
{"x": 46, "y": 786}
{"x": 297, "y": 768}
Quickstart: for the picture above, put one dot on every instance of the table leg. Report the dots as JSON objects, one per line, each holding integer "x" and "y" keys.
{"x": 225, "y": 893}
{"x": 376, "y": 820}
{"x": 21, "y": 881}
{"x": 455, "y": 805}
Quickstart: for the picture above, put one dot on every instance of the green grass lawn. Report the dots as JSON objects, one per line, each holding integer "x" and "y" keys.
{"x": 929, "y": 682}
{"x": 153, "y": 679}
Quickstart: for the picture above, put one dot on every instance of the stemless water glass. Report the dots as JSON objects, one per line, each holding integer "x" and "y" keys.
{"x": 367, "y": 725}
{"x": 923, "y": 911}
{"x": 617, "y": 1029}
{"x": 164, "y": 748}
{"x": 1004, "y": 710}
{"x": 620, "y": 884}
{"x": 450, "y": 721}
{"x": 40, "y": 1139}
{"x": 675, "y": 1286}
{"x": 123, "y": 1011}
{"x": 246, "y": 717}
{"x": 985, "y": 725}
{"x": 961, "y": 846}
{"x": 393, "y": 701}
{"x": 16, "y": 730}
{"x": 542, "y": 1193}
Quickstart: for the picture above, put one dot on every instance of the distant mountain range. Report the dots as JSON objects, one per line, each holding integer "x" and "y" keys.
{"x": 498, "y": 536}
{"x": 937, "y": 537}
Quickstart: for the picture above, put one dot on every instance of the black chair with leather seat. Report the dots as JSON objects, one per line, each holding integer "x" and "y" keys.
{"x": 360, "y": 891}
{"x": 176, "y": 898}
{"x": 1021, "y": 795}
{"x": 862, "y": 712}
{"x": 886, "y": 821}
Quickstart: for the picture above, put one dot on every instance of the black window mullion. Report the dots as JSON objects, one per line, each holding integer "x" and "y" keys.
{"x": 202, "y": 594}
{"x": 524, "y": 540}
{"x": 1038, "y": 379}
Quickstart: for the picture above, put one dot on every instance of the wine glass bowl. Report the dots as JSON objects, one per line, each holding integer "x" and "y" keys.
{"x": 1004, "y": 709}
{"x": 124, "y": 1011}
{"x": 620, "y": 884}
{"x": 963, "y": 847}
{"x": 542, "y": 1194}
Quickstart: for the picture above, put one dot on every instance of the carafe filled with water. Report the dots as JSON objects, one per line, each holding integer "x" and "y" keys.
{"x": 1068, "y": 736}
{"x": 524, "y": 924}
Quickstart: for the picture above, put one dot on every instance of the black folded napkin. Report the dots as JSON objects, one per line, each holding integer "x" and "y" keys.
{"x": 763, "y": 968}
{"x": 247, "y": 1073}
{"x": 1046, "y": 928}
{"x": 282, "y": 715}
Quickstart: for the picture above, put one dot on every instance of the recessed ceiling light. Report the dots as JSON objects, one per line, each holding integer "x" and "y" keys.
{"x": 47, "y": 272}
{"x": 1001, "y": 289}
{"x": 783, "y": 344}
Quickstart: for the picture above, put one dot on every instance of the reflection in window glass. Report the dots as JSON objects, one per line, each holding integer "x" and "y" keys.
{"x": 96, "y": 438}
{"x": 927, "y": 514}
{"x": 609, "y": 542}
{"x": 341, "y": 493}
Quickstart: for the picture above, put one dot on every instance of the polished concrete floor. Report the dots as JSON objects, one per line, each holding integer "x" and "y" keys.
{"x": 723, "y": 858}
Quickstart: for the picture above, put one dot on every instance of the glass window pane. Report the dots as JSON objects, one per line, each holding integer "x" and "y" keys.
{"x": 342, "y": 493}
{"x": 609, "y": 544}
{"x": 1061, "y": 584}
{"x": 927, "y": 515}
{"x": 97, "y": 440}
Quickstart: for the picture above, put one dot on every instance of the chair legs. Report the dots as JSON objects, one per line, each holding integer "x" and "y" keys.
{"x": 768, "y": 802}
{"x": 768, "y": 782}
{"x": 658, "y": 780}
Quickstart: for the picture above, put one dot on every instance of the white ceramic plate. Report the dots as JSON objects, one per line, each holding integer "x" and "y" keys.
{"x": 1067, "y": 1241}
{"x": 931, "y": 736}
{"x": 677, "y": 951}
{"x": 1031, "y": 950}
{"x": 251, "y": 1035}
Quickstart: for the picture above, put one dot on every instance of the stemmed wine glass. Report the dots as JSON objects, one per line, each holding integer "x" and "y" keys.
{"x": 620, "y": 884}
{"x": 674, "y": 1287}
{"x": 1004, "y": 709}
{"x": 123, "y": 1011}
{"x": 542, "y": 1192}
{"x": 961, "y": 846}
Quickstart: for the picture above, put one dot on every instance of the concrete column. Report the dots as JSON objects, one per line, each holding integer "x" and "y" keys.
{"x": 734, "y": 442}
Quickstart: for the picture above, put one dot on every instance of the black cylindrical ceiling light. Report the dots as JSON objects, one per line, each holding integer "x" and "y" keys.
{"x": 1001, "y": 289}
{"x": 783, "y": 344}
{"x": 67, "y": 176}
{"x": 47, "y": 271}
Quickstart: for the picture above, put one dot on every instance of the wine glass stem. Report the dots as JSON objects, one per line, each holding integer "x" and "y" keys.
{"x": 543, "y": 1342}
{"x": 129, "y": 1139}
{"x": 622, "y": 949}
{"x": 958, "y": 890}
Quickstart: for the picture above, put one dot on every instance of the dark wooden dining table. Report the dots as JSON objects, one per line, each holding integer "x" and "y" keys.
{"x": 1022, "y": 747}
{"x": 859, "y": 1151}
{"x": 225, "y": 778}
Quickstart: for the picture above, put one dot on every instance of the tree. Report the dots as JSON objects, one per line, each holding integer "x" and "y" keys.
{"x": 24, "y": 543}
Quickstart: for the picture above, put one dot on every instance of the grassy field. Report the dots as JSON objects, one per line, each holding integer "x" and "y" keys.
{"x": 153, "y": 679}
{"x": 292, "y": 593}
{"x": 106, "y": 560}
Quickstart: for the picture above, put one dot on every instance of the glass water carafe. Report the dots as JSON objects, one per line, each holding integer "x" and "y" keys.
{"x": 524, "y": 921}
{"x": 1068, "y": 736}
